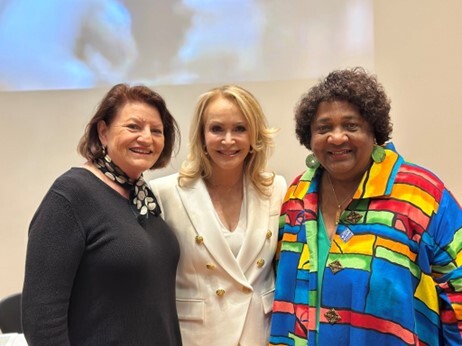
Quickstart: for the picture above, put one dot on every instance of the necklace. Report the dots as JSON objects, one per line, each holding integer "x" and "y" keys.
{"x": 339, "y": 205}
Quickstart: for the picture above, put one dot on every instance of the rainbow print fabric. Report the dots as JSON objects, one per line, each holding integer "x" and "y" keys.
{"x": 396, "y": 279}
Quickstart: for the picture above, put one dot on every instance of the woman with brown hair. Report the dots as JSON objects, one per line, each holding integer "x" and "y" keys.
{"x": 101, "y": 262}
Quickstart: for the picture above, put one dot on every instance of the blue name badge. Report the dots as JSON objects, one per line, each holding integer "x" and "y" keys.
{"x": 346, "y": 234}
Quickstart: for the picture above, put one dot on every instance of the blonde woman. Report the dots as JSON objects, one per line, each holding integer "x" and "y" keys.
{"x": 223, "y": 206}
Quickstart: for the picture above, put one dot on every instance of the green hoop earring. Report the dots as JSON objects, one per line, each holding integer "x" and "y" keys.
{"x": 378, "y": 154}
{"x": 311, "y": 161}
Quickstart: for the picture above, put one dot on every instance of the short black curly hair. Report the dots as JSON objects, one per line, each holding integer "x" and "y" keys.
{"x": 355, "y": 86}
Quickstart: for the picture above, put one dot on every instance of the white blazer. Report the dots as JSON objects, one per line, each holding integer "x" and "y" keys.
{"x": 222, "y": 299}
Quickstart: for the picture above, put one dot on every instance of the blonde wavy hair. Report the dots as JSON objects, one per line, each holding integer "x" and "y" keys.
{"x": 197, "y": 164}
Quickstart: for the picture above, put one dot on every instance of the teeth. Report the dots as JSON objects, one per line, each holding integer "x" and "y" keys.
{"x": 141, "y": 151}
{"x": 339, "y": 152}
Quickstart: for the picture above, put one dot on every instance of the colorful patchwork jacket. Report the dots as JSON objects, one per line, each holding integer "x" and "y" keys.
{"x": 394, "y": 271}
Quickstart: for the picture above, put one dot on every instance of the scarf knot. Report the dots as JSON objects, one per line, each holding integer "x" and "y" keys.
{"x": 142, "y": 199}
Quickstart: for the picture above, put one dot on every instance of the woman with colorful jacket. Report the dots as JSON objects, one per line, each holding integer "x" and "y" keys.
{"x": 370, "y": 245}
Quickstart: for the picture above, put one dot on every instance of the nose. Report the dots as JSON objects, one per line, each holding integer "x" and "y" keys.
{"x": 337, "y": 136}
{"x": 228, "y": 138}
{"x": 145, "y": 135}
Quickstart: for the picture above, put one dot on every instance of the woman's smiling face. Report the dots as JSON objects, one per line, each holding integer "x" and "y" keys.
{"x": 134, "y": 139}
{"x": 226, "y": 135}
{"x": 342, "y": 140}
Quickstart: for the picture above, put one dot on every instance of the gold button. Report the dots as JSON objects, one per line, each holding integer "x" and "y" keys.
{"x": 332, "y": 316}
{"x": 269, "y": 234}
{"x": 220, "y": 292}
{"x": 210, "y": 266}
{"x": 246, "y": 289}
{"x": 260, "y": 263}
{"x": 199, "y": 239}
{"x": 335, "y": 266}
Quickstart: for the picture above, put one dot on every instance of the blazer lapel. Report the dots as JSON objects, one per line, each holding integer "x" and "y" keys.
{"x": 257, "y": 227}
{"x": 199, "y": 207}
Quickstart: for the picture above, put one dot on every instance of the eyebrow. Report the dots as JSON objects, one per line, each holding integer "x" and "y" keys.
{"x": 133, "y": 118}
{"x": 218, "y": 122}
{"x": 139, "y": 118}
{"x": 346, "y": 117}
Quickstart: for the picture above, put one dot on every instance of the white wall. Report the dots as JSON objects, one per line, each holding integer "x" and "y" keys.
{"x": 418, "y": 53}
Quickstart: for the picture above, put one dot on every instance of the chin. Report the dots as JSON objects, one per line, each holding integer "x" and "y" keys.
{"x": 144, "y": 165}
{"x": 232, "y": 167}
{"x": 339, "y": 169}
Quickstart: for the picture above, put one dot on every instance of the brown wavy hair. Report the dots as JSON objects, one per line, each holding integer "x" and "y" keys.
{"x": 118, "y": 96}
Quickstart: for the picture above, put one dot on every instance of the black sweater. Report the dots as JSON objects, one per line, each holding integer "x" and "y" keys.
{"x": 94, "y": 275}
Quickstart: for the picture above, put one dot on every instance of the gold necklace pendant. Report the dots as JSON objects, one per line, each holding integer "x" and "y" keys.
{"x": 339, "y": 205}
{"x": 337, "y": 215}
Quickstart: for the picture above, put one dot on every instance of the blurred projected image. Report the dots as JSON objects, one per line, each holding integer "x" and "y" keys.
{"x": 56, "y": 44}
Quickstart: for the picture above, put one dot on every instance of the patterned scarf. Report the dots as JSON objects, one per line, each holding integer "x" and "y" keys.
{"x": 143, "y": 200}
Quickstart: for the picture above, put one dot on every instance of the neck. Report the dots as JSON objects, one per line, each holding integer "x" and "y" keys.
{"x": 96, "y": 171}
{"x": 227, "y": 182}
{"x": 341, "y": 195}
{"x": 341, "y": 188}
